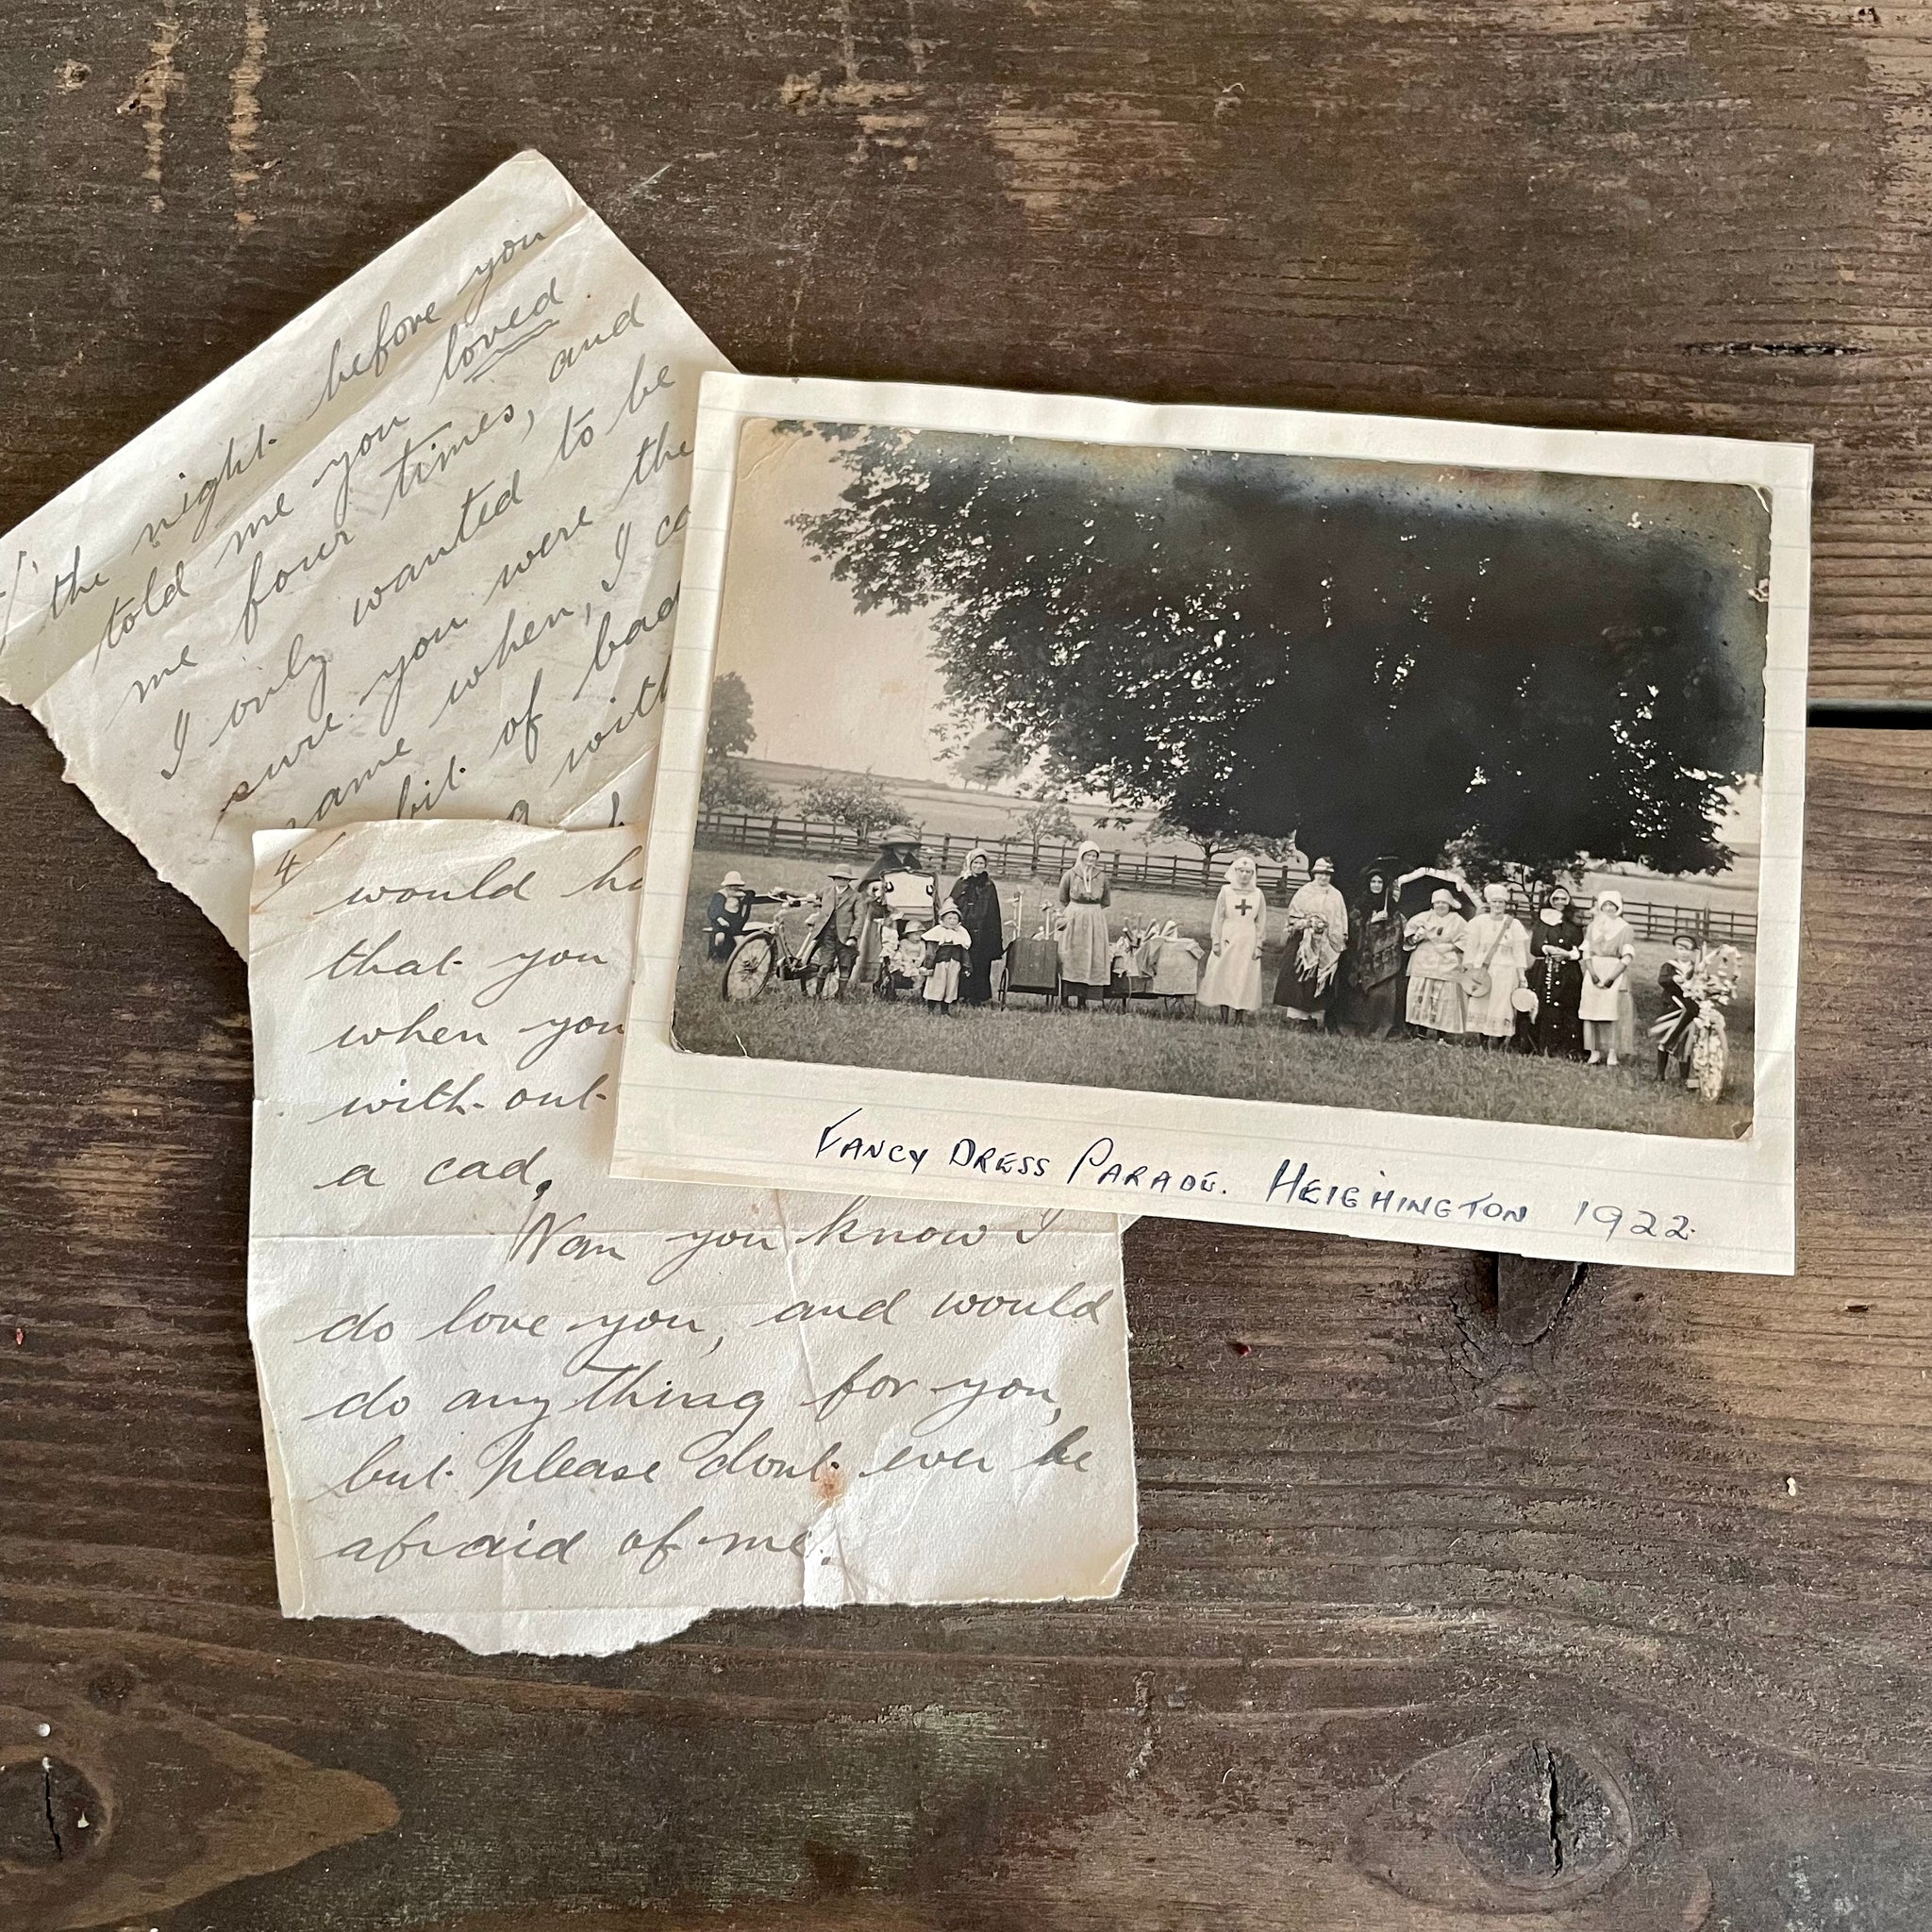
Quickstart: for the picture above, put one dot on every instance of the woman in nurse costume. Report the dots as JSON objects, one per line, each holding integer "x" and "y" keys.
{"x": 1232, "y": 979}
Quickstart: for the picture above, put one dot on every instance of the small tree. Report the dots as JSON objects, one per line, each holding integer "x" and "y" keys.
{"x": 863, "y": 803}
{"x": 727, "y": 785}
{"x": 990, "y": 756}
{"x": 1160, "y": 827}
{"x": 1046, "y": 818}
{"x": 728, "y": 730}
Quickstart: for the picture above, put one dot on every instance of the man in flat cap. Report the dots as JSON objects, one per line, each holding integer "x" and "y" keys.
{"x": 837, "y": 952}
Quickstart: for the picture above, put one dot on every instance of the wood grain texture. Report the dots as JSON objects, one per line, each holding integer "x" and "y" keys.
{"x": 1459, "y": 1599}
{"x": 1463, "y": 1601}
{"x": 1660, "y": 214}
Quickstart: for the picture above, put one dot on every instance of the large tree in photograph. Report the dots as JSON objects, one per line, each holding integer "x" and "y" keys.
{"x": 1255, "y": 650}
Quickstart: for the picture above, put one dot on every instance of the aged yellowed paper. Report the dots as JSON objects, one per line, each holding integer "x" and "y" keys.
{"x": 507, "y": 1395}
{"x": 1388, "y": 829}
{"x": 417, "y": 554}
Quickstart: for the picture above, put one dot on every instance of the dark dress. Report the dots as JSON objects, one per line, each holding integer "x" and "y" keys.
{"x": 978, "y": 901}
{"x": 1557, "y": 1032}
{"x": 725, "y": 918}
{"x": 1371, "y": 1001}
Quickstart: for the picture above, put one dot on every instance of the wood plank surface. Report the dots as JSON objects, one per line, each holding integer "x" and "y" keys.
{"x": 1660, "y": 214}
{"x": 1463, "y": 1593}
{"x": 1465, "y": 1599}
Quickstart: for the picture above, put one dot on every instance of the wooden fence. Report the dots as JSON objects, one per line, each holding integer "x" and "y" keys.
{"x": 773, "y": 835}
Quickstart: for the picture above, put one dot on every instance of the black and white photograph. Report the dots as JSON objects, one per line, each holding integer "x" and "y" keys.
{"x": 1350, "y": 783}
{"x": 1312, "y": 820}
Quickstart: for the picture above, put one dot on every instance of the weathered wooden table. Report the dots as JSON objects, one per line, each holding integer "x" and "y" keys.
{"x": 1452, "y": 1608}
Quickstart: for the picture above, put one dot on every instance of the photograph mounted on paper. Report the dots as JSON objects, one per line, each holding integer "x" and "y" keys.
{"x": 1259, "y": 777}
{"x": 1361, "y": 777}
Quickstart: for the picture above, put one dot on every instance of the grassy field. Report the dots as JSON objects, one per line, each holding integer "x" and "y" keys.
{"x": 1266, "y": 1059}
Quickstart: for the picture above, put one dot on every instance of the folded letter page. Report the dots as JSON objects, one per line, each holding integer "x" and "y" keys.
{"x": 416, "y": 553}
{"x": 499, "y": 1386}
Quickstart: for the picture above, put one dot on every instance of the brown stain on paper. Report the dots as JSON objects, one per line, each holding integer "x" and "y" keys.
{"x": 244, "y": 111}
{"x": 157, "y": 81}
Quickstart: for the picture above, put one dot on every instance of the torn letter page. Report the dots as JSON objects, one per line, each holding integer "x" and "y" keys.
{"x": 498, "y": 1384}
{"x": 417, "y": 554}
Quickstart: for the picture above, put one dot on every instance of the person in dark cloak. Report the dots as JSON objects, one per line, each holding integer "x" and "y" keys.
{"x": 1371, "y": 998}
{"x": 977, "y": 900}
{"x": 1556, "y": 977}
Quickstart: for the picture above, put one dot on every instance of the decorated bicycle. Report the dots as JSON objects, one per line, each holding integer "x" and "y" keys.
{"x": 868, "y": 932}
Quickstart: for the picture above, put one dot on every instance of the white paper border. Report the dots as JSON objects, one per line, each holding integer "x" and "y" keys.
{"x": 707, "y": 1117}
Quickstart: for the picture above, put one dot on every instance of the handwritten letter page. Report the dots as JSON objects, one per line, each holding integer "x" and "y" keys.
{"x": 417, "y": 554}
{"x": 497, "y": 1382}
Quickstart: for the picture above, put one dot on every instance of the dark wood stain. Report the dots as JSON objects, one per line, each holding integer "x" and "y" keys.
{"x": 1449, "y": 1569}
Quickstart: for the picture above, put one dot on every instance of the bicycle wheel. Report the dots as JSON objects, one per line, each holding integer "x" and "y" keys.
{"x": 750, "y": 968}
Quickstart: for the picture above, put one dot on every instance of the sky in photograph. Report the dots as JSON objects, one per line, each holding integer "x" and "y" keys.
{"x": 828, "y": 685}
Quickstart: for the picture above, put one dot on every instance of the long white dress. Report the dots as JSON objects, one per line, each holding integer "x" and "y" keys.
{"x": 1608, "y": 1009}
{"x": 949, "y": 947}
{"x": 1233, "y": 974}
{"x": 1500, "y": 938}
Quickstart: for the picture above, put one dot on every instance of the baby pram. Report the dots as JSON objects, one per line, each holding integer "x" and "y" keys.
{"x": 1131, "y": 976}
{"x": 1032, "y": 965}
{"x": 904, "y": 903}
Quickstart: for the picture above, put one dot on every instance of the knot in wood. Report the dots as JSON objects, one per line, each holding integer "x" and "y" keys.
{"x": 50, "y": 1813}
{"x": 1524, "y": 1822}
{"x": 1539, "y": 1818}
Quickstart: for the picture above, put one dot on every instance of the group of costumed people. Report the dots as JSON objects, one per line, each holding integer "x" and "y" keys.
{"x": 1557, "y": 984}
{"x": 947, "y": 963}
{"x": 950, "y": 961}
{"x": 1561, "y": 989}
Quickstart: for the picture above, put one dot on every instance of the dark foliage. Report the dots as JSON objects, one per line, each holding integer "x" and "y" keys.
{"x": 1258, "y": 654}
